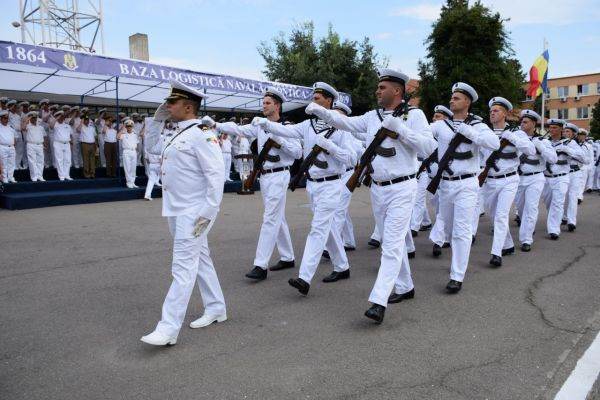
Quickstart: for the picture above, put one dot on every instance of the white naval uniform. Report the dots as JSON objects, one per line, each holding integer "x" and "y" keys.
{"x": 557, "y": 182}
{"x": 596, "y": 166}
{"x": 324, "y": 197}
{"x": 76, "y": 156}
{"x": 226, "y": 150}
{"x": 129, "y": 142}
{"x": 137, "y": 128}
{"x": 458, "y": 198}
{"x": 62, "y": 149}
{"x": 14, "y": 120}
{"x": 438, "y": 232}
{"x": 500, "y": 187}
{"x": 274, "y": 181}
{"x": 100, "y": 124}
{"x": 576, "y": 181}
{"x": 35, "y": 136}
{"x": 392, "y": 204}
{"x": 153, "y": 167}
{"x": 48, "y": 150}
{"x": 589, "y": 168}
{"x": 420, "y": 215}
{"x": 347, "y": 230}
{"x": 531, "y": 185}
{"x": 7, "y": 152}
{"x": 193, "y": 179}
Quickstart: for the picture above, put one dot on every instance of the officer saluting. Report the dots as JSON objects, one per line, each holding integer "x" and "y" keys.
{"x": 193, "y": 179}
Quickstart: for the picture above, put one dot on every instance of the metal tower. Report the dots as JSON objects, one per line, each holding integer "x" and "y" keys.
{"x": 66, "y": 24}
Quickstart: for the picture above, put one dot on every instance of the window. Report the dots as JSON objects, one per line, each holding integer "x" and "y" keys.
{"x": 582, "y": 113}
{"x": 563, "y": 91}
{"x": 563, "y": 113}
{"x": 583, "y": 89}
{"x": 598, "y": 89}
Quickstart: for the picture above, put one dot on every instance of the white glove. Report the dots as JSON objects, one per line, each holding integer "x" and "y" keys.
{"x": 207, "y": 121}
{"x": 315, "y": 109}
{"x": 200, "y": 226}
{"x": 508, "y": 135}
{"x": 161, "y": 113}
{"x": 538, "y": 145}
{"x": 259, "y": 121}
{"x": 466, "y": 131}
{"x": 325, "y": 144}
{"x": 393, "y": 124}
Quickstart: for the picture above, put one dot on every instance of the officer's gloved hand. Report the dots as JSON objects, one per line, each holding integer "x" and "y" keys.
{"x": 508, "y": 135}
{"x": 326, "y": 144}
{"x": 315, "y": 109}
{"x": 200, "y": 226}
{"x": 467, "y": 131}
{"x": 393, "y": 124}
{"x": 161, "y": 113}
{"x": 207, "y": 121}
{"x": 259, "y": 121}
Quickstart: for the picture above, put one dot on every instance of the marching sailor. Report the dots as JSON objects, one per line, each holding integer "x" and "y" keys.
{"x": 393, "y": 188}
{"x": 274, "y": 180}
{"x": 323, "y": 186}
{"x": 532, "y": 179}
{"x": 193, "y": 179}
{"x": 576, "y": 176}
{"x": 502, "y": 182}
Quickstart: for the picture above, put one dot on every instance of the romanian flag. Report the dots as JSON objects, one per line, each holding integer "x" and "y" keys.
{"x": 538, "y": 76}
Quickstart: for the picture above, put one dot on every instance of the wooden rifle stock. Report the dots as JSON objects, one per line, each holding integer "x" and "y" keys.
{"x": 491, "y": 162}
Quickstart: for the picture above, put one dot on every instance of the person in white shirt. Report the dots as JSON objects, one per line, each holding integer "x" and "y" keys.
{"x": 129, "y": 142}
{"x": 36, "y": 139}
{"x": 21, "y": 146}
{"x": 152, "y": 163}
{"x": 225, "y": 143}
{"x": 62, "y": 145}
{"x": 576, "y": 176}
{"x": 193, "y": 176}
{"x": 87, "y": 140}
{"x": 74, "y": 120}
{"x": 109, "y": 134}
{"x": 14, "y": 120}
{"x": 7, "y": 148}
{"x": 44, "y": 114}
{"x": 100, "y": 124}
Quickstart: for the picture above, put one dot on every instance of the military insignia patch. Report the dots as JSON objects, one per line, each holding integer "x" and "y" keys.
{"x": 212, "y": 139}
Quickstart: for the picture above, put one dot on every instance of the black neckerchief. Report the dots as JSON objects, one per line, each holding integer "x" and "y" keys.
{"x": 329, "y": 130}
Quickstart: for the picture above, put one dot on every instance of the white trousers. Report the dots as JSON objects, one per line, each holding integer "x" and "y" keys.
{"x": 576, "y": 182}
{"x": 527, "y": 203}
{"x": 342, "y": 221}
{"x": 227, "y": 162}
{"x": 76, "y": 157}
{"x": 274, "y": 230}
{"x": 420, "y": 214}
{"x": 499, "y": 195}
{"x": 35, "y": 159}
{"x": 140, "y": 151}
{"x": 324, "y": 200}
{"x": 62, "y": 159}
{"x": 458, "y": 203}
{"x": 392, "y": 207}
{"x": 589, "y": 176}
{"x": 7, "y": 160}
{"x": 191, "y": 263}
{"x": 153, "y": 178}
{"x": 20, "y": 154}
{"x": 129, "y": 165}
{"x": 554, "y": 193}
{"x": 596, "y": 177}
{"x": 480, "y": 208}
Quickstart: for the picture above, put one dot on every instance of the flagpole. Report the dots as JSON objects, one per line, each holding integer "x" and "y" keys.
{"x": 545, "y": 46}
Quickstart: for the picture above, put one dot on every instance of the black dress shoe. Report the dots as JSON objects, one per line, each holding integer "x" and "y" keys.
{"x": 414, "y": 233}
{"x": 553, "y": 236}
{"x": 496, "y": 261}
{"x": 518, "y": 220}
{"x": 397, "y": 298}
{"x": 282, "y": 265}
{"x": 374, "y": 243}
{"x": 349, "y": 248}
{"x": 257, "y": 273}
{"x": 525, "y": 247}
{"x": 473, "y": 240}
{"x": 453, "y": 286}
{"x": 412, "y": 254}
{"x": 336, "y": 276}
{"x": 424, "y": 228}
{"x": 563, "y": 222}
{"x": 508, "y": 251}
{"x": 579, "y": 201}
{"x": 588, "y": 191}
{"x": 376, "y": 313}
{"x": 446, "y": 245}
{"x": 326, "y": 255}
{"x": 437, "y": 250}
{"x": 571, "y": 227}
{"x": 300, "y": 284}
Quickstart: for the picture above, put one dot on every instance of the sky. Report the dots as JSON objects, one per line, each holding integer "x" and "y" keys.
{"x": 222, "y": 36}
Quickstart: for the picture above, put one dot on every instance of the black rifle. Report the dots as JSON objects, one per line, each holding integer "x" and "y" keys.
{"x": 308, "y": 162}
{"x": 426, "y": 163}
{"x": 259, "y": 162}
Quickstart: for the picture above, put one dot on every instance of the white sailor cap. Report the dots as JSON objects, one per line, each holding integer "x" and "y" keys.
{"x": 583, "y": 132}
{"x": 134, "y": 115}
{"x": 84, "y": 109}
{"x": 3, "y": 99}
{"x": 324, "y": 88}
{"x": 24, "y": 103}
{"x": 3, "y": 113}
{"x": 466, "y": 89}
{"x": 531, "y": 115}
{"x": 58, "y": 114}
{"x": 75, "y": 108}
{"x": 572, "y": 127}
{"x": 66, "y": 107}
{"x": 388, "y": 74}
{"x": 555, "y": 121}
{"x": 500, "y": 101}
{"x": 128, "y": 122}
{"x": 338, "y": 105}
{"x": 143, "y": 115}
{"x": 102, "y": 110}
{"x": 443, "y": 110}
{"x": 181, "y": 91}
{"x": 122, "y": 114}
{"x": 32, "y": 114}
{"x": 53, "y": 107}
{"x": 272, "y": 91}
{"x": 11, "y": 103}
{"x": 44, "y": 101}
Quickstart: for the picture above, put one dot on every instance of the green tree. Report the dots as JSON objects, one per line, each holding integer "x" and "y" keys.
{"x": 595, "y": 122}
{"x": 300, "y": 59}
{"x": 469, "y": 44}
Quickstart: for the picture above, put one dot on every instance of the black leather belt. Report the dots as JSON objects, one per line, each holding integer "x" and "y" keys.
{"x": 574, "y": 168}
{"x": 531, "y": 173}
{"x": 270, "y": 171}
{"x": 555, "y": 175}
{"x": 503, "y": 176}
{"x": 458, "y": 178}
{"x": 395, "y": 180}
{"x": 327, "y": 178}
{"x": 349, "y": 169}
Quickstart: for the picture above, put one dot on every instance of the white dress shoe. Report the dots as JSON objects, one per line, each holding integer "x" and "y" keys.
{"x": 68, "y": 178}
{"x": 206, "y": 320}
{"x": 41, "y": 180}
{"x": 159, "y": 339}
